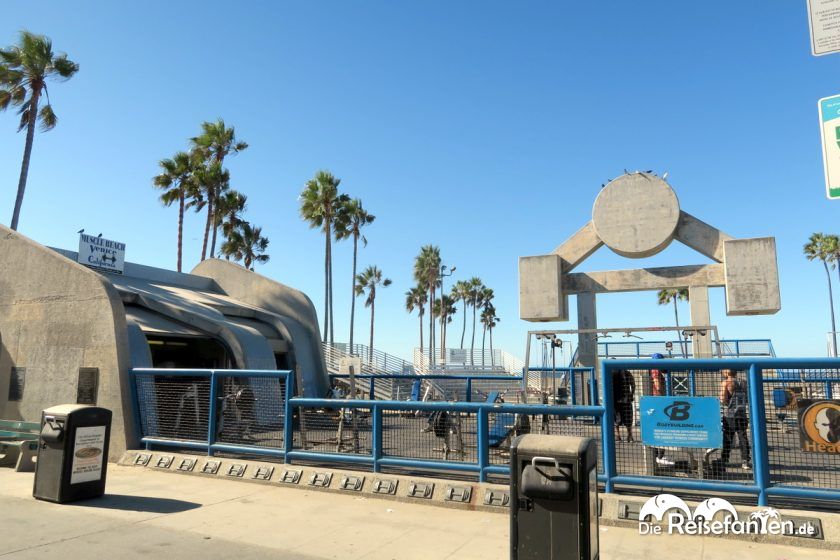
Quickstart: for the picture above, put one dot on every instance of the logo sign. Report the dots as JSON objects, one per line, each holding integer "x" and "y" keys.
{"x": 823, "y": 21}
{"x": 819, "y": 425}
{"x": 681, "y": 421}
{"x": 101, "y": 253}
{"x": 829, "y": 108}
{"x": 669, "y": 514}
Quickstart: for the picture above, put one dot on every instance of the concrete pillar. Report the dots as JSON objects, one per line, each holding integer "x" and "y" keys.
{"x": 587, "y": 319}
{"x": 698, "y": 300}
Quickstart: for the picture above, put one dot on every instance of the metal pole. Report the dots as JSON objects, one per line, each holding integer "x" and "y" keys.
{"x": 761, "y": 460}
{"x": 376, "y": 437}
{"x": 607, "y": 431}
{"x": 288, "y": 416}
{"x": 211, "y": 421}
{"x": 482, "y": 430}
{"x": 469, "y": 389}
{"x": 572, "y": 384}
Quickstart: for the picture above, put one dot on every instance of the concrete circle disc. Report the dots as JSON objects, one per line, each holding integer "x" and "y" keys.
{"x": 636, "y": 215}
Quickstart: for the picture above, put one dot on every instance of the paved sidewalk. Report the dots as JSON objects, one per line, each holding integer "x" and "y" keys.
{"x": 148, "y": 514}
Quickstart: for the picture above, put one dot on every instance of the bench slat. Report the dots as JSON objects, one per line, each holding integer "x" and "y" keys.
{"x": 19, "y": 426}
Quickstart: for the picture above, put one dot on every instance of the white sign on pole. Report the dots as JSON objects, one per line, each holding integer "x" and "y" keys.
{"x": 101, "y": 253}
{"x": 824, "y": 21}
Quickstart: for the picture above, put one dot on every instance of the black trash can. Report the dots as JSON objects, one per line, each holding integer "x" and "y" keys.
{"x": 72, "y": 453}
{"x": 554, "y": 498}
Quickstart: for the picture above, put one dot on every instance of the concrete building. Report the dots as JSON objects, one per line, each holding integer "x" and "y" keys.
{"x": 71, "y": 334}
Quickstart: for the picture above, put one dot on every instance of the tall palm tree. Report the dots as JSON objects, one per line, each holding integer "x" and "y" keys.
{"x": 24, "y": 71}
{"x": 212, "y": 181}
{"x": 489, "y": 320}
{"x": 427, "y": 273}
{"x": 320, "y": 203}
{"x": 214, "y": 144}
{"x": 349, "y": 223}
{"x": 824, "y": 248}
{"x": 177, "y": 182}
{"x": 246, "y": 244}
{"x": 444, "y": 308}
{"x": 230, "y": 207}
{"x": 476, "y": 289}
{"x": 665, "y": 297}
{"x": 461, "y": 291}
{"x": 415, "y": 298}
{"x": 368, "y": 281}
{"x": 484, "y": 300}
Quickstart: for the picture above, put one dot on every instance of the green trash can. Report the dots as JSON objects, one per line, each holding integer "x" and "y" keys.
{"x": 72, "y": 453}
{"x": 554, "y": 498}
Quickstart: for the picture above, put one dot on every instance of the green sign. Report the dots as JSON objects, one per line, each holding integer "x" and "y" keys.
{"x": 830, "y": 132}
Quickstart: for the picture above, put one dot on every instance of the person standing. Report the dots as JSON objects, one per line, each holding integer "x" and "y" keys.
{"x": 658, "y": 389}
{"x": 624, "y": 391}
{"x": 733, "y": 402}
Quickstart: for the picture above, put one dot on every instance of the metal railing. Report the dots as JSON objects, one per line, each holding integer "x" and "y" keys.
{"x": 253, "y": 412}
{"x": 375, "y": 362}
{"x": 725, "y": 348}
{"x": 467, "y": 361}
{"x": 465, "y": 388}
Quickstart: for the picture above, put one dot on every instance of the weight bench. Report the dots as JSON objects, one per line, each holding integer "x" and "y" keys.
{"x": 19, "y": 444}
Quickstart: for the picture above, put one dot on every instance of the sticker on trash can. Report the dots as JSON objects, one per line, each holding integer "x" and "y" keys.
{"x": 680, "y": 421}
{"x": 87, "y": 454}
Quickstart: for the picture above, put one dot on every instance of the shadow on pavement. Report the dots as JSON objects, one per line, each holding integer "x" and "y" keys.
{"x": 138, "y": 503}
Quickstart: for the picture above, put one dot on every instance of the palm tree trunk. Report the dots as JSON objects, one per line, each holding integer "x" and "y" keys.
{"x": 472, "y": 344}
{"x": 353, "y": 296}
{"x": 27, "y": 153}
{"x": 372, "y": 315}
{"x": 329, "y": 245}
{"x": 326, "y": 287}
{"x": 683, "y": 349}
{"x": 210, "y": 201}
{"x": 431, "y": 325}
{"x": 464, "y": 329}
{"x": 181, "y": 205}
{"x": 492, "y": 357}
{"x": 421, "y": 334}
{"x": 213, "y": 241}
{"x": 831, "y": 304}
{"x": 483, "y": 336}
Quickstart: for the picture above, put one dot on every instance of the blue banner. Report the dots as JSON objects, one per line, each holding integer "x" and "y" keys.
{"x": 681, "y": 421}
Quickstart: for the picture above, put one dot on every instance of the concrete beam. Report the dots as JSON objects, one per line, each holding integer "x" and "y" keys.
{"x": 698, "y": 302}
{"x": 752, "y": 276}
{"x": 709, "y": 275}
{"x": 587, "y": 318}
{"x": 578, "y": 247}
{"x": 701, "y": 237}
{"x": 541, "y": 297}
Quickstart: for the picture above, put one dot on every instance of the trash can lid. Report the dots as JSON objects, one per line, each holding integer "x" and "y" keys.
{"x": 65, "y": 408}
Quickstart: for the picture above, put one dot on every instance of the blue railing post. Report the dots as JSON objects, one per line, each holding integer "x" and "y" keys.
{"x": 288, "y": 417}
{"x": 607, "y": 431}
{"x": 593, "y": 388}
{"x": 372, "y": 394}
{"x": 668, "y": 389}
{"x": 761, "y": 459}
{"x": 469, "y": 389}
{"x": 376, "y": 437}
{"x": 135, "y": 402}
{"x": 573, "y": 384}
{"x": 211, "y": 421}
{"x": 737, "y": 348}
{"x": 828, "y": 389}
{"x": 692, "y": 389}
{"x": 482, "y": 438}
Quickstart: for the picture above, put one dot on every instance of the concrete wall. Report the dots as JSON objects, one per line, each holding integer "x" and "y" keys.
{"x": 55, "y": 317}
{"x": 293, "y": 306}
{"x": 752, "y": 276}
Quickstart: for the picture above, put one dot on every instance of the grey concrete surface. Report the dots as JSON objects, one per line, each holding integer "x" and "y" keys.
{"x": 147, "y": 514}
{"x": 752, "y": 276}
{"x": 540, "y": 290}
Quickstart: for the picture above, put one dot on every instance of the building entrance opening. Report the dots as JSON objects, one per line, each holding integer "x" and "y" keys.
{"x": 188, "y": 353}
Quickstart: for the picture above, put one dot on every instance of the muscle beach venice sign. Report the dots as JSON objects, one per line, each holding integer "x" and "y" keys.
{"x": 101, "y": 254}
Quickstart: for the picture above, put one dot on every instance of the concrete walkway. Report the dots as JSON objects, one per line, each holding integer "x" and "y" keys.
{"x": 148, "y": 514}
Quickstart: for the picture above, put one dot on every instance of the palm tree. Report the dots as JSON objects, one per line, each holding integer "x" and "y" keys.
{"x": 667, "y": 296}
{"x": 475, "y": 289}
{"x": 415, "y": 298}
{"x": 247, "y": 244}
{"x": 489, "y": 320}
{"x": 368, "y": 280}
{"x": 444, "y": 308}
{"x": 212, "y": 181}
{"x": 824, "y": 248}
{"x": 177, "y": 181}
{"x": 484, "y": 300}
{"x": 320, "y": 203}
{"x": 461, "y": 291}
{"x": 427, "y": 273}
{"x": 349, "y": 223}
{"x": 24, "y": 71}
{"x": 215, "y": 142}
{"x": 230, "y": 207}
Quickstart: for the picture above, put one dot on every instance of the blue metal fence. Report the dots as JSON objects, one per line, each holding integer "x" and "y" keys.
{"x": 185, "y": 408}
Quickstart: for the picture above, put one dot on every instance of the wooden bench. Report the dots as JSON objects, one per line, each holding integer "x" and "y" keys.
{"x": 19, "y": 444}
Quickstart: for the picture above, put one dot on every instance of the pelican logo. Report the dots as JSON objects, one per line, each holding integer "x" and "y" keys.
{"x": 819, "y": 423}
{"x": 666, "y": 513}
{"x": 678, "y": 411}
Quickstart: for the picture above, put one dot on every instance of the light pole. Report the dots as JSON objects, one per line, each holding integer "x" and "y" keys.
{"x": 443, "y": 275}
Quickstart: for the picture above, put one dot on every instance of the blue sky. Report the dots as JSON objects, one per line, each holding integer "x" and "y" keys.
{"x": 486, "y": 128}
